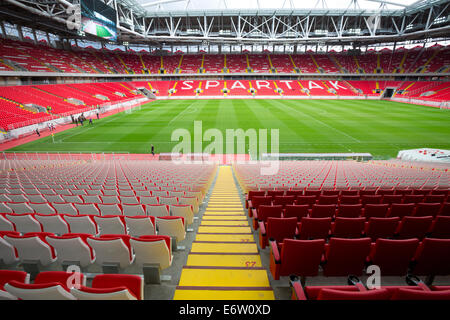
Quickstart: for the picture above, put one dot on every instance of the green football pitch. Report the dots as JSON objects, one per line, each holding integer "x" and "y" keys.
{"x": 305, "y": 126}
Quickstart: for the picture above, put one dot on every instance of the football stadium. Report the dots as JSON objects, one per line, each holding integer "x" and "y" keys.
{"x": 186, "y": 150}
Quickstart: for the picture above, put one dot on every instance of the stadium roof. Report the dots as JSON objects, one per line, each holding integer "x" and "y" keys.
{"x": 252, "y": 22}
{"x": 189, "y": 5}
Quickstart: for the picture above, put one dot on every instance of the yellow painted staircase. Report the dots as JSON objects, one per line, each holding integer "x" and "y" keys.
{"x": 224, "y": 263}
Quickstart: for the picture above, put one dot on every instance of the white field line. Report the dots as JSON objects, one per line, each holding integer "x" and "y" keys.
{"x": 323, "y": 123}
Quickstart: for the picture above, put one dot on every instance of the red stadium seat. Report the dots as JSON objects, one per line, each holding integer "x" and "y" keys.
{"x": 381, "y": 227}
{"x": 393, "y": 256}
{"x": 345, "y": 257}
{"x": 277, "y": 229}
{"x": 414, "y": 227}
{"x": 348, "y": 227}
{"x": 314, "y": 228}
{"x": 299, "y": 257}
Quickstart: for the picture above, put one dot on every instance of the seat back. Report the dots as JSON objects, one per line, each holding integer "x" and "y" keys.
{"x": 297, "y": 211}
{"x": 110, "y": 225}
{"x": 168, "y": 200}
{"x": 148, "y": 200}
{"x": 432, "y": 257}
{"x": 413, "y": 198}
{"x": 132, "y": 210}
{"x": 91, "y": 199}
{"x": 140, "y": 225}
{"x": 281, "y": 228}
{"x": 157, "y": 210}
{"x": 314, "y": 228}
{"x": 110, "y": 200}
{"x": 323, "y": 211}
{"x": 328, "y": 199}
{"x": 393, "y": 256}
{"x": 64, "y": 208}
{"x": 261, "y": 200}
{"x": 20, "y": 207}
{"x": 46, "y": 291}
{"x": 445, "y": 209}
{"x": 72, "y": 248}
{"x": 265, "y": 212}
{"x": 24, "y": 223}
{"x": 111, "y": 250}
{"x": 8, "y": 254}
{"x": 435, "y": 198}
{"x": 87, "y": 208}
{"x": 192, "y": 201}
{"x": 128, "y": 199}
{"x": 401, "y": 210}
{"x": 391, "y": 198}
{"x": 171, "y": 226}
{"x": 309, "y": 200}
{"x": 42, "y": 208}
{"x": 346, "y": 256}
{"x": 284, "y": 200}
{"x": 301, "y": 257}
{"x": 81, "y": 224}
{"x": 349, "y": 210}
{"x": 348, "y": 199}
{"x": 109, "y": 209}
{"x": 253, "y": 193}
{"x": 414, "y": 227}
{"x": 441, "y": 227}
{"x": 382, "y": 227}
{"x": 5, "y": 224}
{"x": 348, "y": 227}
{"x": 183, "y": 210}
{"x": 53, "y": 223}
{"x": 375, "y": 210}
{"x": 32, "y": 248}
{"x": 427, "y": 209}
{"x": 371, "y": 199}
{"x": 154, "y": 249}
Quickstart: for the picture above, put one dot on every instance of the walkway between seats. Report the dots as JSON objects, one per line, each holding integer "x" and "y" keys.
{"x": 224, "y": 263}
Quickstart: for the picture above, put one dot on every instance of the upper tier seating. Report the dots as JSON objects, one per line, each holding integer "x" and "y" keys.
{"x": 27, "y": 56}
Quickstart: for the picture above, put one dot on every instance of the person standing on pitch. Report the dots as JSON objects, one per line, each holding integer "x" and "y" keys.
{"x": 153, "y": 150}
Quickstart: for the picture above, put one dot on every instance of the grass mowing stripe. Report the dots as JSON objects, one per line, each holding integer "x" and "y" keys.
{"x": 379, "y": 127}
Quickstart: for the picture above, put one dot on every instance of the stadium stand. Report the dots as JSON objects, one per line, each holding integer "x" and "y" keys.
{"x": 119, "y": 225}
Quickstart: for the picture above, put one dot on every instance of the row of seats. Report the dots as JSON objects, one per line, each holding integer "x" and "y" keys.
{"x": 323, "y": 228}
{"x": 122, "y": 199}
{"x": 94, "y": 225}
{"x": 346, "y": 192}
{"x": 61, "y": 285}
{"x": 356, "y": 290}
{"x": 83, "y": 249}
{"x": 127, "y": 191}
{"x": 262, "y": 211}
{"x": 346, "y": 175}
{"x": 97, "y": 190}
{"x": 344, "y": 257}
{"x": 97, "y": 208}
